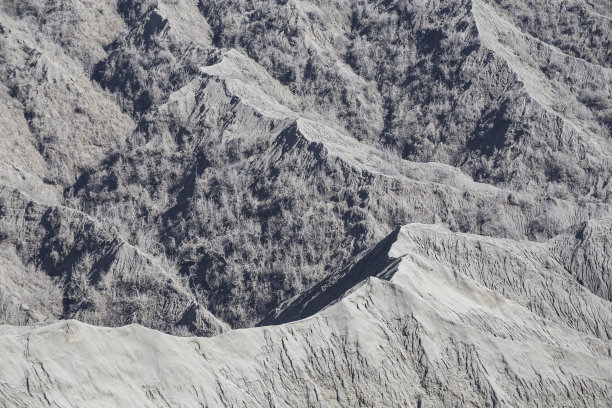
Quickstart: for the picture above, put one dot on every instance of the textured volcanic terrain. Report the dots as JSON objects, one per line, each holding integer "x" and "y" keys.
{"x": 413, "y": 332}
{"x": 359, "y": 203}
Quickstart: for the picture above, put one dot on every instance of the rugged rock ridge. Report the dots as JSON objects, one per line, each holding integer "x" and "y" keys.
{"x": 417, "y": 334}
{"x": 280, "y": 153}
{"x": 547, "y": 278}
{"x": 451, "y": 89}
{"x": 218, "y": 150}
{"x": 564, "y": 123}
{"x": 59, "y": 263}
{"x": 199, "y": 166}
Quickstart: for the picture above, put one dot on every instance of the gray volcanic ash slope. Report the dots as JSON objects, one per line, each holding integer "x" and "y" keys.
{"x": 414, "y": 333}
{"x": 201, "y": 166}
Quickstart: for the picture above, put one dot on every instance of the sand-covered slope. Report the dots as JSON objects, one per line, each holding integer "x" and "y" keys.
{"x": 420, "y": 333}
{"x": 243, "y": 169}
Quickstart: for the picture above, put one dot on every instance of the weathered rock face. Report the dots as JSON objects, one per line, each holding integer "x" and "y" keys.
{"x": 197, "y": 166}
{"x": 584, "y": 251}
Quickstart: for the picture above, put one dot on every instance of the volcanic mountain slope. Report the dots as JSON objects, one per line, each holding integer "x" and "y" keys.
{"x": 213, "y": 135}
{"x": 232, "y": 164}
{"x": 198, "y": 166}
{"x": 546, "y": 278}
{"x": 453, "y": 82}
{"x": 293, "y": 185}
{"x": 60, "y": 263}
{"x": 55, "y": 121}
{"x": 413, "y": 333}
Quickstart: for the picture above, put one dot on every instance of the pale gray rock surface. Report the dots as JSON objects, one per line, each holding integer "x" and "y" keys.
{"x": 416, "y": 334}
{"x": 195, "y": 167}
{"x": 539, "y": 276}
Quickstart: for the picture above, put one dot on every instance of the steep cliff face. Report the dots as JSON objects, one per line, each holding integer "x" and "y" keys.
{"x": 200, "y": 166}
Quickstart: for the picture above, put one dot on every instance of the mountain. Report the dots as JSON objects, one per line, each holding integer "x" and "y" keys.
{"x": 337, "y": 193}
{"x": 415, "y": 333}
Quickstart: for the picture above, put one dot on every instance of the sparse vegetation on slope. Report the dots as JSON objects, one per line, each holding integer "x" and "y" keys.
{"x": 199, "y": 166}
{"x": 215, "y": 165}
